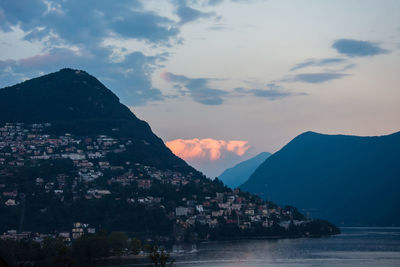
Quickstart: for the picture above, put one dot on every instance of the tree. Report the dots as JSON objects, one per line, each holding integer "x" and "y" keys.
{"x": 118, "y": 241}
{"x": 56, "y": 253}
{"x": 88, "y": 247}
{"x": 160, "y": 258}
{"x": 136, "y": 246}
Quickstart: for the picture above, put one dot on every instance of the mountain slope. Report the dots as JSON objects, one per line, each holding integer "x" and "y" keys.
{"x": 71, "y": 152}
{"x": 238, "y": 174}
{"x": 346, "y": 179}
{"x": 74, "y": 101}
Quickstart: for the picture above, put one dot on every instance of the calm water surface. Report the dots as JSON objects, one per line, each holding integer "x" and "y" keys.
{"x": 354, "y": 247}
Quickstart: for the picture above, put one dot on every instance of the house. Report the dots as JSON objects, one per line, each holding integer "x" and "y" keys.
{"x": 285, "y": 224}
{"x": 102, "y": 192}
{"x": 249, "y": 212}
{"x": 181, "y": 211}
{"x": 77, "y": 233}
{"x": 10, "y": 202}
{"x": 144, "y": 183}
{"x": 217, "y": 213}
{"x": 199, "y": 208}
{"x": 74, "y": 156}
{"x": 236, "y": 206}
{"x": 79, "y": 229}
{"x": 230, "y": 199}
{"x": 266, "y": 223}
{"x": 10, "y": 194}
{"x": 66, "y": 236}
{"x": 245, "y": 225}
{"x": 213, "y": 223}
{"x": 223, "y": 205}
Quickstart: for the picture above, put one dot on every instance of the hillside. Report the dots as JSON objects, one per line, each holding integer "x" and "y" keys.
{"x": 349, "y": 180}
{"x": 238, "y": 174}
{"x": 77, "y": 103}
{"x": 73, "y": 159}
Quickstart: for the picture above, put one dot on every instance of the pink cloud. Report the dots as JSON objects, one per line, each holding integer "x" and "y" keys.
{"x": 206, "y": 149}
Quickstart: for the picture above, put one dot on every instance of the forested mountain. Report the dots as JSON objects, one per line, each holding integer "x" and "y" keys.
{"x": 75, "y": 102}
{"x": 349, "y": 180}
{"x": 71, "y": 155}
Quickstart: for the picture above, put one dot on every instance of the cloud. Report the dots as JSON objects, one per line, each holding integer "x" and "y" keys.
{"x": 207, "y": 149}
{"x": 209, "y": 155}
{"x": 73, "y": 34}
{"x": 130, "y": 79}
{"x": 198, "y": 88}
{"x": 96, "y": 36}
{"x": 356, "y": 48}
{"x": 315, "y": 77}
{"x": 188, "y": 14}
{"x": 271, "y": 91}
{"x": 318, "y": 63}
{"x": 219, "y": 27}
{"x": 214, "y": 2}
{"x": 144, "y": 26}
{"x": 348, "y": 47}
{"x": 80, "y": 22}
{"x": 269, "y": 94}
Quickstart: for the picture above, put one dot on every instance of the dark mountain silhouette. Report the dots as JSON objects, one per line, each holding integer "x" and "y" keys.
{"x": 71, "y": 152}
{"x": 74, "y": 101}
{"x": 346, "y": 179}
{"x": 238, "y": 174}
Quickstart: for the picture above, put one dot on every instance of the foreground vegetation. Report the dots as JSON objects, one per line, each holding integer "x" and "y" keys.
{"x": 81, "y": 252}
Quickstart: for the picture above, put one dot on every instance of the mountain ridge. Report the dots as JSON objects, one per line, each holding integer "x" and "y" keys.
{"x": 62, "y": 86}
{"x": 76, "y": 102}
{"x": 238, "y": 174}
{"x": 72, "y": 154}
{"x": 330, "y": 175}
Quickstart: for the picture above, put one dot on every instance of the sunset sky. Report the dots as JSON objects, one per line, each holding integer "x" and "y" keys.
{"x": 221, "y": 80}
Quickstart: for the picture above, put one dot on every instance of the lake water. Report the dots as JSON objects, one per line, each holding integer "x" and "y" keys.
{"x": 354, "y": 247}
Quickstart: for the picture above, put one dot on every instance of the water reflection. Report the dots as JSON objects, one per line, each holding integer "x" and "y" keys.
{"x": 354, "y": 247}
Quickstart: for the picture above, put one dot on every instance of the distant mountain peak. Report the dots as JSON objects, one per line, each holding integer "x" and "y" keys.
{"x": 238, "y": 174}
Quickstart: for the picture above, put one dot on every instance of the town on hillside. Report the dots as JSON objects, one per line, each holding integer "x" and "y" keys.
{"x": 67, "y": 186}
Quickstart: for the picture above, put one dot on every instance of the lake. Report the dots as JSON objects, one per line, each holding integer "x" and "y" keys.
{"x": 354, "y": 247}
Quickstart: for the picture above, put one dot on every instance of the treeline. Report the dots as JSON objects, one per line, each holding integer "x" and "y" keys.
{"x": 81, "y": 252}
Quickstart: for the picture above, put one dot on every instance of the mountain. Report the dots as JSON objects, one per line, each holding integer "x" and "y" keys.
{"x": 77, "y": 103}
{"x": 74, "y": 160}
{"x": 238, "y": 174}
{"x": 349, "y": 180}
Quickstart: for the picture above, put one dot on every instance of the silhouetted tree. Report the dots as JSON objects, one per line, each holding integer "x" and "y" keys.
{"x": 118, "y": 241}
{"x": 160, "y": 258}
{"x": 136, "y": 246}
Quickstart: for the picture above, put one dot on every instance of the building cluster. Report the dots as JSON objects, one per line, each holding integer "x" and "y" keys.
{"x": 78, "y": 230}
{"x": 228, "y": 208}
{"x": 27, "y": 145}
{"x": 92, "y": 174}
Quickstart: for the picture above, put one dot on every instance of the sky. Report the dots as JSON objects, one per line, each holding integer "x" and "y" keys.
{"x": 221, "y": 80}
